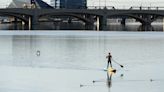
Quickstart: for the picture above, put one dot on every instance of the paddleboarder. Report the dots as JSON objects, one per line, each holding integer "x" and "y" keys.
{"x": 109, "y": 57}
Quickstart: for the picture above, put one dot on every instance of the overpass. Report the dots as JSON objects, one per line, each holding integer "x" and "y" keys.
{"x": 88, "y": 16}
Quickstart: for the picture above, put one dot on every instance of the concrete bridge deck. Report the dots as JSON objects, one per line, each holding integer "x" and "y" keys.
{"x": 88, "y": 16}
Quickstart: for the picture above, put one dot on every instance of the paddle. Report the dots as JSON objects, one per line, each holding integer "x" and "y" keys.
{"x": 118, "y": 63}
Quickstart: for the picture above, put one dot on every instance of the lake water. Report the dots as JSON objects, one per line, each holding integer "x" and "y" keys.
{"x": 74, "y": 61}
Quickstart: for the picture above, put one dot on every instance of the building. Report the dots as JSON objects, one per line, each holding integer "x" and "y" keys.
{"x": 27, "y": 3}
{"x": 69, "y": 4}
{"x": 18, "y": 3}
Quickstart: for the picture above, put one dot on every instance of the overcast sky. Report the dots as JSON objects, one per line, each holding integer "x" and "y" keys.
{"x": 116, "y": 3}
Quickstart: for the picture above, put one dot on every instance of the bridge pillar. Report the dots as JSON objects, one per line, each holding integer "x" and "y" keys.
{"x": 97, "y": 23}
{"x": 69, "y": 20}
{"x": 29, "y": 23}
{"x": 147, "y": 20}
{"x": 15, "y": 23}
{"x": 34, "y": 22}
{"x": 145, "y": 28}
{"x": 91, "y": 18}
{"x": 15, "y": 20}
{"x": 123, "y": 21}
{"x": 103, "y": 22}
{"x": 89, "y": 25}
{"x": 146, "y": 23}
{"x": 23, "y": 22}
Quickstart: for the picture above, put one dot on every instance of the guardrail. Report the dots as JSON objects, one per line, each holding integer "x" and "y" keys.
{"x": 106, "y": 7}
{"x": 100, "y": 7}
{"x": 146, "y": 8}
{"x": 127, "y": 8}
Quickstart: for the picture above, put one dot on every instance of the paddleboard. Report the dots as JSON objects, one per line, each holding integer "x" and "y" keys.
{"x": 110, "y": 69}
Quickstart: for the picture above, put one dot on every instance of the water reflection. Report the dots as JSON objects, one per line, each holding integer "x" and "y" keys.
{"x": 109, "y": 79}
{"x": 81, "y": 26}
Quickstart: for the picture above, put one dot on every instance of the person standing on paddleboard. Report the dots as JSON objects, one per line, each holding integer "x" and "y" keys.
{"x": 109, "y": 57}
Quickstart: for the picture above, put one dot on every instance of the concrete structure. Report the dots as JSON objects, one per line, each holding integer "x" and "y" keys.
{"x": 69, "y": 4}
{"x": 28, "y": 4}
{"x": 18, "y": 3}
{"x": 32, "y": 16}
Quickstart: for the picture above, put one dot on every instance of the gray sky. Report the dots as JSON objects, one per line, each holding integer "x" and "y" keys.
{"x": 116, "y": 3}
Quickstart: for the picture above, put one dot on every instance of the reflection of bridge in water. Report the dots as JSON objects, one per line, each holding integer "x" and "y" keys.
{"x": 32, "y": 17}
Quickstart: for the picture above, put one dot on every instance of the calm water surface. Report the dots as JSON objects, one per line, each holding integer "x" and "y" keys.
{"x": 69, "y": 61}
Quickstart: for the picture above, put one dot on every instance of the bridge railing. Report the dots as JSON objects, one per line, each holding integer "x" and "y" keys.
{"x": 126, "y": 8}
{"x": 101, "y": 7}
{"x": 146, "y": 8}
{"x": 105, "y": 7}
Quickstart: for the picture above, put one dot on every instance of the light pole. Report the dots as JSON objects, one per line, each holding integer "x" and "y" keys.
{"x": 99, "y": 4}
{"x": 105, "y": 3}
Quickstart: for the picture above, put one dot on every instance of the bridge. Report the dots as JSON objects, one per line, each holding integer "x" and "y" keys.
{"x": 88, "y": 16}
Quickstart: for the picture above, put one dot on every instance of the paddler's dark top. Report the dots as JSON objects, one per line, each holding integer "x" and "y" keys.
{"x": 109, "y": 57}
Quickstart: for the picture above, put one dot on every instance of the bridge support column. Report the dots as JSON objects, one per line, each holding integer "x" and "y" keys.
{"x": 147, "y": 23}
{"x": 97, "y": 23}
{"x": 70, "y": 20}
{"x": 163, "y": 24}
{"x": 15, "y": 23}
{"x": 147, "y": 19}
{"x": 23, "y": 23}
{"x": 29, "y": 23}
{"x": 123, "y": 21}
{"x": 34, "y": 22}
{"x": 15, "y": 20}
{"x": 103, "y": 23}
{"x": 145, "y": 28}
{"x": 89, "y": 25}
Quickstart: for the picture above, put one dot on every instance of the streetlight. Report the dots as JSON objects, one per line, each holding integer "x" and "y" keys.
{"x": 105, "y": 3}
{"x": 99, "y": 4}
